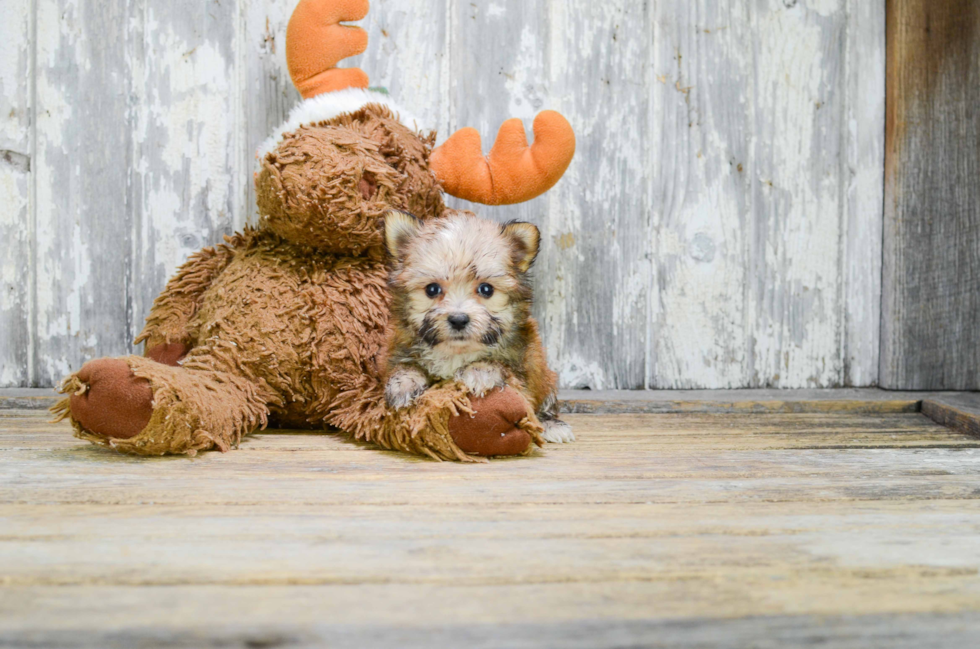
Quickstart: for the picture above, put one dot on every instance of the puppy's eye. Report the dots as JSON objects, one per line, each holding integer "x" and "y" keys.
{"x": 433, "y": 290}
{"x": 485, "y": 290}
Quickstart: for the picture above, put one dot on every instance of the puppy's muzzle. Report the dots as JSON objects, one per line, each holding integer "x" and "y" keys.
{"x": 458, "y": 321}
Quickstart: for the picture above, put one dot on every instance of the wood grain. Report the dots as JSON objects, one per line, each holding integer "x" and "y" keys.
{"x": 701, "y": 130}
{"x": 759, "y": 401}
{"x": 409, "y": 53}
{"x": 862, "y": 170}
{"x": 189, "y": 170}
{"x": 793, "y": 248}
{"x": 269, "y": 92}
{"x": 172, "y": 546}
{"x": 595, "y": 287}
{"x": 682, "y": 530}
{"x": 959, "y": 412}
{"x": 931, "y": 273}
{"x": 766, "y": 115}
{"x": 84, "y": 152}
{"x": 106, "y": 617}
{"x": 16, "y": 184}
{"x": 618, "y": 459}
{"x": 719, "y": 227}
{"x": 749, "y": 201}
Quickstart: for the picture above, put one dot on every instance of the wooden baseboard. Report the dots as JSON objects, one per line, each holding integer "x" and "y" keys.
{"x": 847, "y": 400}
{"x": 27, "y": 398}
{"x": 959, "y": 411}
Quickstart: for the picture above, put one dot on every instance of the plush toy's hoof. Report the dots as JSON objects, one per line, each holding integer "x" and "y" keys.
{"x": 168, "y": 353}
{"x": 493, "y": 429}
{"x": 113, "y": 402}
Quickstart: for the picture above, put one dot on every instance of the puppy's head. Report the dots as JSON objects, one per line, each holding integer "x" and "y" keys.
{"x": 460, "y": 283}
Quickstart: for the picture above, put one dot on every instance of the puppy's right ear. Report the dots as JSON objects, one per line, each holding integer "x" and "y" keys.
{"x": 400, "y": 229}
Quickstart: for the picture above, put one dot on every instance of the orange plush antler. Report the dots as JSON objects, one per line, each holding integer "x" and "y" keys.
{"x": 513, "y": 172}
{"x": 316, "y": 42}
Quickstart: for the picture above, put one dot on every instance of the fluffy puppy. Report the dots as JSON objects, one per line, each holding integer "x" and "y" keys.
{"x": 462, "y": 310}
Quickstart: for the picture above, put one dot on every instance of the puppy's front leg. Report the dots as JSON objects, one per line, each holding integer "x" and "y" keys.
{"x": 405, "y": 384}
{"x": 556, "y": 431}
{"x": 481, "y": 377}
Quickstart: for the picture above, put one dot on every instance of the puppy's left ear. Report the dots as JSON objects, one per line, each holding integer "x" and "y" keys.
{"x": 400, "y": 228}
{"x": 525, "y": 239}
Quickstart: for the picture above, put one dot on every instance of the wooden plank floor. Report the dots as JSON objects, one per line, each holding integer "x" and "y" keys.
{"x": 689, "y": 530}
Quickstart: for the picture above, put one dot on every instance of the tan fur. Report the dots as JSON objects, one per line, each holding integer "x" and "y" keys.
{"x": 459, "y": 254}
{"x": 288, "y": 323}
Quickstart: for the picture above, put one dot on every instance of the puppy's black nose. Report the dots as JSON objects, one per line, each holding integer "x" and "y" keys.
{"x": 458, "y": 321}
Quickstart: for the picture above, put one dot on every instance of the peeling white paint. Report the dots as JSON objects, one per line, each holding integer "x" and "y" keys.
{"x": 59, "y": 302}
{"x": 823, "y": 7}
{"x": 803, "y": 209}
{"x": 581, "y": 373}
{"x": 186, "y": 143}
{"x": 495, "y": 10}
{"x": 15, "y": 196}
{"x": 524, "y": 88}
{"x": 720, "y": 226}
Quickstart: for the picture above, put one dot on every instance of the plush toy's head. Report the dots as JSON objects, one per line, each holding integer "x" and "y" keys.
{"x": 328, "y": 184}
{"x": 348, "y": 154}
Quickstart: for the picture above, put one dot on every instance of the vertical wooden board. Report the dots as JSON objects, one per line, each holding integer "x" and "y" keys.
{"x": 16, "y": 273}
{"x": 515, "y": 59}
{"x": 931, "y": 266}
{"x": 593, "y": 275}
{"x": 269, "y": 92}
{"x": 793, "y": 255}
{"x": 748, "y": 105}
{"x": 700, "y": 155}
{"x": 718, "y": 228}
{"x": 863, "y": 170}
{"x": 190, "y": 169}
{"x": 81, "y": 171}
{"x": 408, "y": 55}
{"x": 499, "y": 65}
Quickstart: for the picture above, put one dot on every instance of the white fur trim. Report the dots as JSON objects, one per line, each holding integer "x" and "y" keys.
{"x": 333, "y": 104}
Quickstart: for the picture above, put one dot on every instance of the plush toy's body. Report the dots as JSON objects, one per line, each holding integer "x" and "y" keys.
{"x": 287, "y": 323}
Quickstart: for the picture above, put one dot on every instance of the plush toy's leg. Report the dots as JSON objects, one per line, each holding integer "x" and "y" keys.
{"x": 444, "y": 423}
{"x": 137, "y": 405}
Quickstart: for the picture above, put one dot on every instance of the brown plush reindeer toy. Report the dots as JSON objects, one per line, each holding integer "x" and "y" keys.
{"x": 286, "y": 323}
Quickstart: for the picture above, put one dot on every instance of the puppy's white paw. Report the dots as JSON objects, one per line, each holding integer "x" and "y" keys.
{"x": 405, "y": 386}
{"x": 480, "y": 378}
{"x": 557, "y": 432}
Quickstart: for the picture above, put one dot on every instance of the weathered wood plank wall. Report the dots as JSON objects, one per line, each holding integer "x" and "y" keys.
{"x": 931, "y": 301}
{"x": 16, "y": 205}
{"x": 720, "y": 227}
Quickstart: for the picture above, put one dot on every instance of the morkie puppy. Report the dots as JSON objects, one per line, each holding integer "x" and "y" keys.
{"x": 462, "y": 310}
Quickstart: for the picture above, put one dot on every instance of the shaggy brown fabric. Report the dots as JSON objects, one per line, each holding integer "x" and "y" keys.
{"x": 192, "y": 411}
{"x": 289, "y": 321}
{"x": 173, "y": 309}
